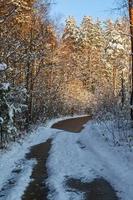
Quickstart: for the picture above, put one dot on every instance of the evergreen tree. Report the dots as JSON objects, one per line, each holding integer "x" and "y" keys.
{"x": 116, "y": 53}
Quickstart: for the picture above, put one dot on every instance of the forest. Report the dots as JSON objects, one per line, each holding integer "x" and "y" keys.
{"x": 47, "y": 72}
{"x": 66, "y": 103}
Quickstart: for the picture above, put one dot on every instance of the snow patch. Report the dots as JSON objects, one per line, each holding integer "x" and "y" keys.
{"x": 23, "y": 182}
{"x": 3, "y": 66}
{"x": 4, "y": 86}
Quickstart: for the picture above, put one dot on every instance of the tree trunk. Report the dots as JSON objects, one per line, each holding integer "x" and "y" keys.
{"x": 114, "y": 81}
{"x": 130, "y": 2}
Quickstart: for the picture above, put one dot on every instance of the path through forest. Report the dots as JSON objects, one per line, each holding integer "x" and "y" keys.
{"x": 99, "y": 189}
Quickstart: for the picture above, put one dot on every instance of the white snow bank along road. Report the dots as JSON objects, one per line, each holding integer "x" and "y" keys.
{"x": 87, "y": 156}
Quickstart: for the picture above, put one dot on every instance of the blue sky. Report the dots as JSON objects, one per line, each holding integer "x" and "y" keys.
{"x": 78, "y": 8}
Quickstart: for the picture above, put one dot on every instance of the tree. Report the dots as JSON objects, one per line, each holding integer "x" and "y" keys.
{"x": 116, "y": 50}
{"x": 27, "y": 45}
{"x": 92, "y": 44}
{"x": 130, "y": 4}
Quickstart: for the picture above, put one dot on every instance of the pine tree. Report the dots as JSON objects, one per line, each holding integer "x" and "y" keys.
{"x": 92, "y": 44}
{"x": 117, "y": 48}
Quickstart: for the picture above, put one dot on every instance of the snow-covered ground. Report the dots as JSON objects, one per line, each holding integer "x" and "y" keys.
{"x": 14, "y": 159}
{"x": 87, "y": 156}
{"x": 84, "y": 156}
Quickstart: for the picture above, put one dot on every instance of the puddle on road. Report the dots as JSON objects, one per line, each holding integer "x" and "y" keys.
{"x": 98, "y": 189}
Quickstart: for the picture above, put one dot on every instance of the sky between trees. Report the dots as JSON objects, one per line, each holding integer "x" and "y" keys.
{"x": 79, "y": 8}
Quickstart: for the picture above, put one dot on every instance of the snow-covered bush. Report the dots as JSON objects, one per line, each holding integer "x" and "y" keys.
{"x": 7, "y": 109}
{"x": 18, "y": 97}
{"x": 115, "y": 116}
{"x": 12, "y": 110}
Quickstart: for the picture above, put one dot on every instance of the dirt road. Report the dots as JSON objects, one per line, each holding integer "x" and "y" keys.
{"x": 99, "y": 189}
{"x": 72, "y": 125}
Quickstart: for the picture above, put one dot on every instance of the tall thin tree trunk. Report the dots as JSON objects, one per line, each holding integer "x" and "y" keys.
{"x": 114, "y": 80}
{"x": 28, "y": 95}
{"x": 130, "y": 3}
{"x": 122, "y": 90}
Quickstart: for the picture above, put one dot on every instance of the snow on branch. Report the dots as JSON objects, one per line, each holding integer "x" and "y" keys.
{"x": 4, "y": 86}
{"x": 3, "y": 66}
